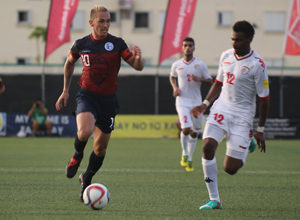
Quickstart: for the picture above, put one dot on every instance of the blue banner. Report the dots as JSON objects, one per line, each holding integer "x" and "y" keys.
{"x": 21, "y": 125}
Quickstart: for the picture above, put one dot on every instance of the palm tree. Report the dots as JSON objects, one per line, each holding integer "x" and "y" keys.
{"x": 37, "y": 33}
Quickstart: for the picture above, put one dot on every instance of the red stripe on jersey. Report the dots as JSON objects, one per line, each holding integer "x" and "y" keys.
{"x": 243, "y": 147}
{"x": 126, "y": 54}
{"x": 242, "y": 58}
{"x": 264, "y": 98}
{"x": 219, "y": 82}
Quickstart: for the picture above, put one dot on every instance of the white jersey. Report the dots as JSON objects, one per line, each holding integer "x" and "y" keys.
{"x": 242, "y": 79}
{"x": 190, "y": 94}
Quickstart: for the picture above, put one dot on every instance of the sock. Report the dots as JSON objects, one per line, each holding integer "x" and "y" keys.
{"x": 94, "y": 165}
{"x": 210, "y": 171}
{"x": 184, "y": 142}
{"x": 79, "y": 147}
{"x": 191, "y": 147}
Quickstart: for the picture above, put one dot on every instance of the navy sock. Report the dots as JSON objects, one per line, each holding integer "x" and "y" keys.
{"x": 95, "y": 164}
{"x": 79, "y": 148}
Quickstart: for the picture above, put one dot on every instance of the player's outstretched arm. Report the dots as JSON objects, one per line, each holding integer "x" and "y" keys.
{"x": 68, "y": 73}
{"x": 213, "y": 93}
{"x": 263, "y": 113}
{"x": 176, "y": 90}
{"x": 136, "y": 60}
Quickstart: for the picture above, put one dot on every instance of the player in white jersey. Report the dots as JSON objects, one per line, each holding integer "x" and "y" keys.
{"x": 241, "y": 76}
{"x": 186, "y": 77}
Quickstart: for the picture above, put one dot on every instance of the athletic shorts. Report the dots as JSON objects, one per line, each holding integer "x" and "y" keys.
{"x": 103, "y": 107}
{"x": 187, "y": 120}
{"x": 238, "y": 133}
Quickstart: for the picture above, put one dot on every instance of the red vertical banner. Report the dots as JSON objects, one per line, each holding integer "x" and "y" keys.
{"x": 292, "y": 39}
{"x": 60, "y": 19}
{"x": 177, "y": 26}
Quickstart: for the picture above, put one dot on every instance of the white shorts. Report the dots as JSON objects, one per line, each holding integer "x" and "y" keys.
{"x": 238, "y": 133}
{"x": 187, "y": 120}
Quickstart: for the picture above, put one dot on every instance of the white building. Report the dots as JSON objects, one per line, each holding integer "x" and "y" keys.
{"x": 140, "y": 22}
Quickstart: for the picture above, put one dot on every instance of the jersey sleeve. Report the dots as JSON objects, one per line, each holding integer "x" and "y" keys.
{"x": 220, "y": 74}
{"x": 261, "y": 80}
{"x": 173, "y": 72}
{"x": 74, "y": 50}
{"x": 125, "y": 51}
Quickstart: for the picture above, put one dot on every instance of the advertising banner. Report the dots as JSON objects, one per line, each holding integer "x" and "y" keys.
{"x": 20, "y": 125}
{"x": 145, "y": 126}
{"x": 180, "y": 14}
{"x": 61, "y": 16}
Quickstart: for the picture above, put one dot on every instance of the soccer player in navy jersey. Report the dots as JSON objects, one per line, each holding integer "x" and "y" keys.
{"x": 97, "y": 104}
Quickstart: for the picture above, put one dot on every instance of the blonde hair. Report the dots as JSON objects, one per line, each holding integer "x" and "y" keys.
{"x": 95, "y": 9}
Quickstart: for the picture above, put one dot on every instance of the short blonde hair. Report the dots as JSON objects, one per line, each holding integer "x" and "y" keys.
{"x": 95, "y": 9}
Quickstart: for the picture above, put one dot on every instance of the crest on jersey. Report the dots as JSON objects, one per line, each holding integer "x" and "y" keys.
{"x": 244, "y": 70}
{"x": 109, "y": 46}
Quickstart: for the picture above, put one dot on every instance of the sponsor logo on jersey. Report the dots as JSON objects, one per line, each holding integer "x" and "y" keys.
{"x": 179, "y": 68}
{"x": 227, "y": 62}
{"x": 266, "y": 84}
{"x": 244, "y": 70}
{"x": 109, "y": 46}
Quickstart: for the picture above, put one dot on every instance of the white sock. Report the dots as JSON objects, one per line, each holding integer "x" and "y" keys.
{"x": 210, "y": 171}
{"x": 191, "y": 147}
{"x": 184, "y": 142}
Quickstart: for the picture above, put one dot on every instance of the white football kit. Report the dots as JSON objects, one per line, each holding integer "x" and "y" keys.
{"x": 233, "y": 112}
{"x": 190, "y": 93}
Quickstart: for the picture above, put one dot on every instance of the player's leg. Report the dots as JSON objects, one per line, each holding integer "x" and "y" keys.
{"x": 236, "y": 149}
{"x": 97, "y": 156}
{"x": 85, "y": 127}
{"x": 108, "y": 108}
{"x": 252, "y": 146}
{"x": 186, "y": 124}
{"x": 212, "y": 136}
{"x": 193, "y": 138}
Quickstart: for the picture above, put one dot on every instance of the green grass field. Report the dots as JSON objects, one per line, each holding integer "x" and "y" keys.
{"x": 145, "y": 181}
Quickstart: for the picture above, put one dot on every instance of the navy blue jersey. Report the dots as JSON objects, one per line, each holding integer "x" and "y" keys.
{"x": 101, "y": 61}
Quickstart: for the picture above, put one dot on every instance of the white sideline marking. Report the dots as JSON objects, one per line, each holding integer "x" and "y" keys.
{"x": 129, "y": 170}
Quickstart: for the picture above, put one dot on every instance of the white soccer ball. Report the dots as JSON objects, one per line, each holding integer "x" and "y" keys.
{"x": 96, "y": 196}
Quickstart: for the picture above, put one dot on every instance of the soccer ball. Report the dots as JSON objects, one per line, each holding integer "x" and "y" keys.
{"x": 96, "y": 196}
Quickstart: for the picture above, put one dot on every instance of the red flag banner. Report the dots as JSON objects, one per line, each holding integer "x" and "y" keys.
{"x": 292, "y": 40}
{"x": 177, "y": 26}
{"x": 60, "y": 20}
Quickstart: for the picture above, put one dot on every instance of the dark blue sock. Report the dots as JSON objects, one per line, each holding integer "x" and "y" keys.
{"x": 95, "y": 164}
{"x": 79, "y": 148}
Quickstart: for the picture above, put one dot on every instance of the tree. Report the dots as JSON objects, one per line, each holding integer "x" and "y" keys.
{"x": 37, "y": 33}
